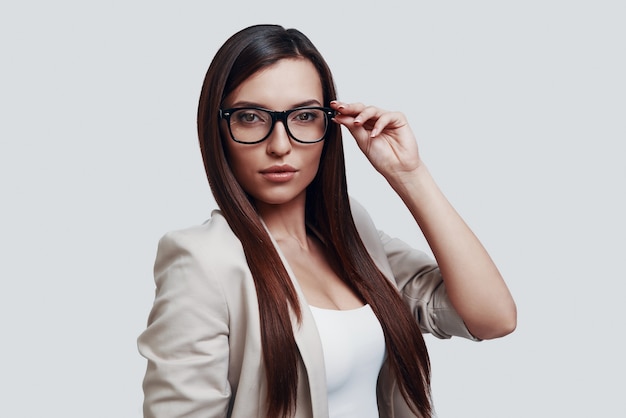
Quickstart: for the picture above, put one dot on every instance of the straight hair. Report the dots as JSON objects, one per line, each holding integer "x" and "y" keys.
{"x": 327, "y": 211}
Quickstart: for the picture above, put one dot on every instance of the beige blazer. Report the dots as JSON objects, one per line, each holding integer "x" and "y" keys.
{"x": 203, "y": 340}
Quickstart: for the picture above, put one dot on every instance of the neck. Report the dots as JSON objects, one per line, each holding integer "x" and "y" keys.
{"x": 286, "y": 222}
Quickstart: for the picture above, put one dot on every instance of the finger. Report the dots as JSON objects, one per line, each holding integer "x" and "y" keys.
{"x": 357, "y": 131}
{"x": 376, "y": 120}
{"x": 351, "y": 109}
{"x": 368, "y": 113}
{"x": 388, "y": 120}
{"x": 362, "y": 122}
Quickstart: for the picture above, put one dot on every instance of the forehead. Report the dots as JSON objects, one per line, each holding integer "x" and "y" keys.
{"x": 281, "y": 86}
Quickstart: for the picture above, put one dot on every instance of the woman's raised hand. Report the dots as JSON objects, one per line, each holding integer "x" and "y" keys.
{"x": 385, "y": 138}
{"x": 472, "y": 280}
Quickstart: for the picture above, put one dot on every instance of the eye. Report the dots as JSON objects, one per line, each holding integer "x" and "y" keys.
{"x": 250, "y": 116}
{"x": 305, "y": 116}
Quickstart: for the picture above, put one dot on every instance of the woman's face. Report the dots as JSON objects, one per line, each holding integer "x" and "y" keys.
{"x": 278, "y": 170}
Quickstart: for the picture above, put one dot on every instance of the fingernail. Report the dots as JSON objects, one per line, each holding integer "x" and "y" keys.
{"x": 373, "y": 133}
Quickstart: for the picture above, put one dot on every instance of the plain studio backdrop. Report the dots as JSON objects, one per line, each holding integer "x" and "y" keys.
{"x": 520, "y": 113}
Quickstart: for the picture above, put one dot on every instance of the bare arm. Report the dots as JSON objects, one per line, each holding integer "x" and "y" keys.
{"x": 474, "y": 284}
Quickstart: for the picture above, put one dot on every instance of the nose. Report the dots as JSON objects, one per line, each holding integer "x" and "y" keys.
{"x": 279, "y": 142}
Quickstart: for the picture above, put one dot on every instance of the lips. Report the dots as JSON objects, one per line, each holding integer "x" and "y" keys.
{"x": 279, "y": 173}
{"x": 279, "y": 169}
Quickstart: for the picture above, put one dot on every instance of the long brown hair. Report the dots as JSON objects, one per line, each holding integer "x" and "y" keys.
{"x": 327, "y": 211}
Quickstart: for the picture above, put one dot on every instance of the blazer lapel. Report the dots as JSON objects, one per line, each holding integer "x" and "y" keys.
{"x": 309, "y": 345}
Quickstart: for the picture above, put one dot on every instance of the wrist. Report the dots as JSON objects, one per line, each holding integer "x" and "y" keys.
{"x": 408, "y": 182}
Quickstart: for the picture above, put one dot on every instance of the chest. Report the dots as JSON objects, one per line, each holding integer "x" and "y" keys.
{"x": 353, "y": 346}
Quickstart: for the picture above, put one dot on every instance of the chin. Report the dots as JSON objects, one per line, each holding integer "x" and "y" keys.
{"x": 278, "y": 199}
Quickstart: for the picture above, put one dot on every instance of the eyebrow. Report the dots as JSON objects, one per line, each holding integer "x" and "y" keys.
{"x": 311, "y": 102}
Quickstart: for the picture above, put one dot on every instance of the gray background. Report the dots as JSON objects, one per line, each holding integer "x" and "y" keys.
{"x": 519, "y": 108}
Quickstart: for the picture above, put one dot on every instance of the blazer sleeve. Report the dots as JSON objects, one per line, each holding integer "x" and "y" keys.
{"x": 417, "y": 277}
{"x": 419, "y": 280}
{"x": 186, "y": 340}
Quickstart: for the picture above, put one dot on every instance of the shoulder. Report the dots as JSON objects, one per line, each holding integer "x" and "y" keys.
{"x": 364, "y": 223}
{"x": 210, "y": 250}
{"x": 370, "y": 236}
{"x": 213, "y": 238}
{"x": 206, "y": 235}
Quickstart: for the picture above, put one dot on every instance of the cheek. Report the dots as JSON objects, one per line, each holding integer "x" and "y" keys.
{"x": 243, "y": 162}
{"x": 316, "y": 157}
{"x": 238, "y": 163}
{"x": 234, "y": 154}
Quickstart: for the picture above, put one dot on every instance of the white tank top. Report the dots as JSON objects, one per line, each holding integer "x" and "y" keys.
{"x": 354, "y": 349}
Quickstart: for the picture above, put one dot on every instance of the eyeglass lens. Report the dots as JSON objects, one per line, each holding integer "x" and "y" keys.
{"x": 253, "y": 125}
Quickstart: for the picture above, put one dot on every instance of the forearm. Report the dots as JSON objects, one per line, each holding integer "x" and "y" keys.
{"x": 472, "y": 281}
{"x": 474, "y": 284}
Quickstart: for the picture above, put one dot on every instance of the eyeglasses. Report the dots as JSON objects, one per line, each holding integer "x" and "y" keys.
{"x": 251, "y": 125}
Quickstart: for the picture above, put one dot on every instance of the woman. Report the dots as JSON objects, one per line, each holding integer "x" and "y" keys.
{"x": 288, "y": 302}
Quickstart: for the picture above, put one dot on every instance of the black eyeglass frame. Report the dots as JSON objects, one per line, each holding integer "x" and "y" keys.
{"x": 278, "y": 115}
